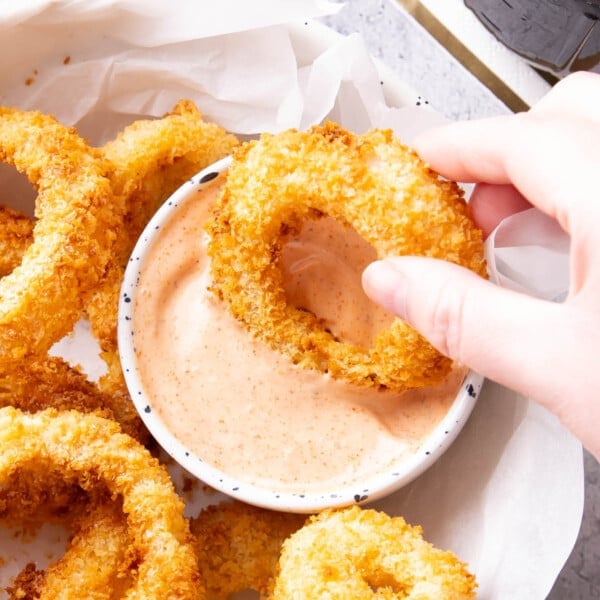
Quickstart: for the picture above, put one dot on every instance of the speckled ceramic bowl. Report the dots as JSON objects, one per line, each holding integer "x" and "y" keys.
{"x": 398, "y": 474}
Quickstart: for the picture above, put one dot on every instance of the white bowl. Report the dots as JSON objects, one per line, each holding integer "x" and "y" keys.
{"x": 397, "y": 474}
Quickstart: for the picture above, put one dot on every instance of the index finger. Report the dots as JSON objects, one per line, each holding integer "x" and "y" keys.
{"x": 579, "y": 93}
{"x": 552, "y": 161}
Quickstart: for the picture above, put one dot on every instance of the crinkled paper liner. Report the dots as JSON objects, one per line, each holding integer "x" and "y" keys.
{"x": 507, "y": 497}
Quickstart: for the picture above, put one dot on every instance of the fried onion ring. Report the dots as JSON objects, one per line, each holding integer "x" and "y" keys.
{"x": 356, "y": 553}
{"x": 238, "y": 547}
{"x": 370, "y": 182}
{"x": 77, "y": 213}
{"x": 97, "y": 560}
{"x": 38, "y": 383}
{"x": 93, "y": 452}
{"x": 35, "y": 494}
{"x": 151, "y": 158}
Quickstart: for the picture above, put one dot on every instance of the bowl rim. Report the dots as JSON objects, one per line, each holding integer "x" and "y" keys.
{"x": 373, "y": 487}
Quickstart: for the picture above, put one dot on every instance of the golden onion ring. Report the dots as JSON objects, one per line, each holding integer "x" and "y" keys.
{"x": 93, "y": 452}
{"x": 238, "y": 547}
{"x": 356, "y": 553}
{"x": 49, "y": 382}
{"x": 97, "y": 560}
{"x": 150, "y": 159}
{"x": 370, "y": 182}
{"x": 77, "y": 214}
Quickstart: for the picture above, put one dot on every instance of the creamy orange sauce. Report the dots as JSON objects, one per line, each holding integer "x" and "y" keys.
{"x": 245, "y": 409}
{"x": 322, "y": 267}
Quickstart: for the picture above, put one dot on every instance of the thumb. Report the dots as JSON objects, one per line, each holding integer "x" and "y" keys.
{"x": 501, "y": 334}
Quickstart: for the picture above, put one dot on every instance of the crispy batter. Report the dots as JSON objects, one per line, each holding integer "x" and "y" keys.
{"x": 38, "y": 383}
{"x": 370, "y": 182}
{"x": 27, "y": 585}
{"x": 77, "y": 213}
{"x": 147, "y": 162}
{"x": 16, "y": 234}
{"x": 151, "y": 159}
{"x": 37, "y": 493}
{"x": 97, "y": 560}
{"x": 238, "y": 547}
{"x": 356, "y": 553}
{"x": 93, "y": 451}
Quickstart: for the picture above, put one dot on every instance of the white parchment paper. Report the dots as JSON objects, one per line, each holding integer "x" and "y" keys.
{"x": 508, "y": 495}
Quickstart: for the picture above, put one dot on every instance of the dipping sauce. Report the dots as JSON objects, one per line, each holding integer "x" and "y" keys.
{"x": 242, "y": 407}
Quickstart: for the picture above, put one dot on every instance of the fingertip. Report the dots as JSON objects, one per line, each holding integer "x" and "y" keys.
{"x": 470, "y": 151}
{"x": 422, "y": 141}
{"x": 385, "y": 285}
{"x": 426, "y": 144}
{"x": 443, "y": 148}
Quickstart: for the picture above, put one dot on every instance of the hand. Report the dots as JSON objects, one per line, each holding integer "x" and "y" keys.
{"x": 548, "y": 157}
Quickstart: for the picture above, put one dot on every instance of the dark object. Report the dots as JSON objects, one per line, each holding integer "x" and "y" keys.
{"x": 559, "y": 36}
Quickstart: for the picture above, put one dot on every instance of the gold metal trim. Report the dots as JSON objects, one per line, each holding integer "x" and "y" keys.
{"x": 449, "y": 41}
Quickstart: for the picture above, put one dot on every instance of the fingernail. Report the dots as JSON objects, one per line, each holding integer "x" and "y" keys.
{"x": 386, "y": 286}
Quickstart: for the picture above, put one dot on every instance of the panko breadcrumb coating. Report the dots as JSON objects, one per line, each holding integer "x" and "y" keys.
{"x": 150, "y": 159}
{"x": 16, "y": 234}
{"x": 238, "y": 547}
{"x": 356, "y": 553}
{"x": 77, "y": 215}
{"x": 94, "y": 452}
{"x": 97, "y": 560}
{"x": 49, "y": 382}
{"x": 370, "y": 182}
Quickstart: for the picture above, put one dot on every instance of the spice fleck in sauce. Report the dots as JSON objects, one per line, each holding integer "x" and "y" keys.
{"x": 242, "y": 407}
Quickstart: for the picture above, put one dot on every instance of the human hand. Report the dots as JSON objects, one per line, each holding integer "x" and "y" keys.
{"x": 548, "y": 157}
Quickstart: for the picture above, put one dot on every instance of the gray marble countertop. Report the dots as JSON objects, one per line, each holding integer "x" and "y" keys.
{"x": 394, "y": 37}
